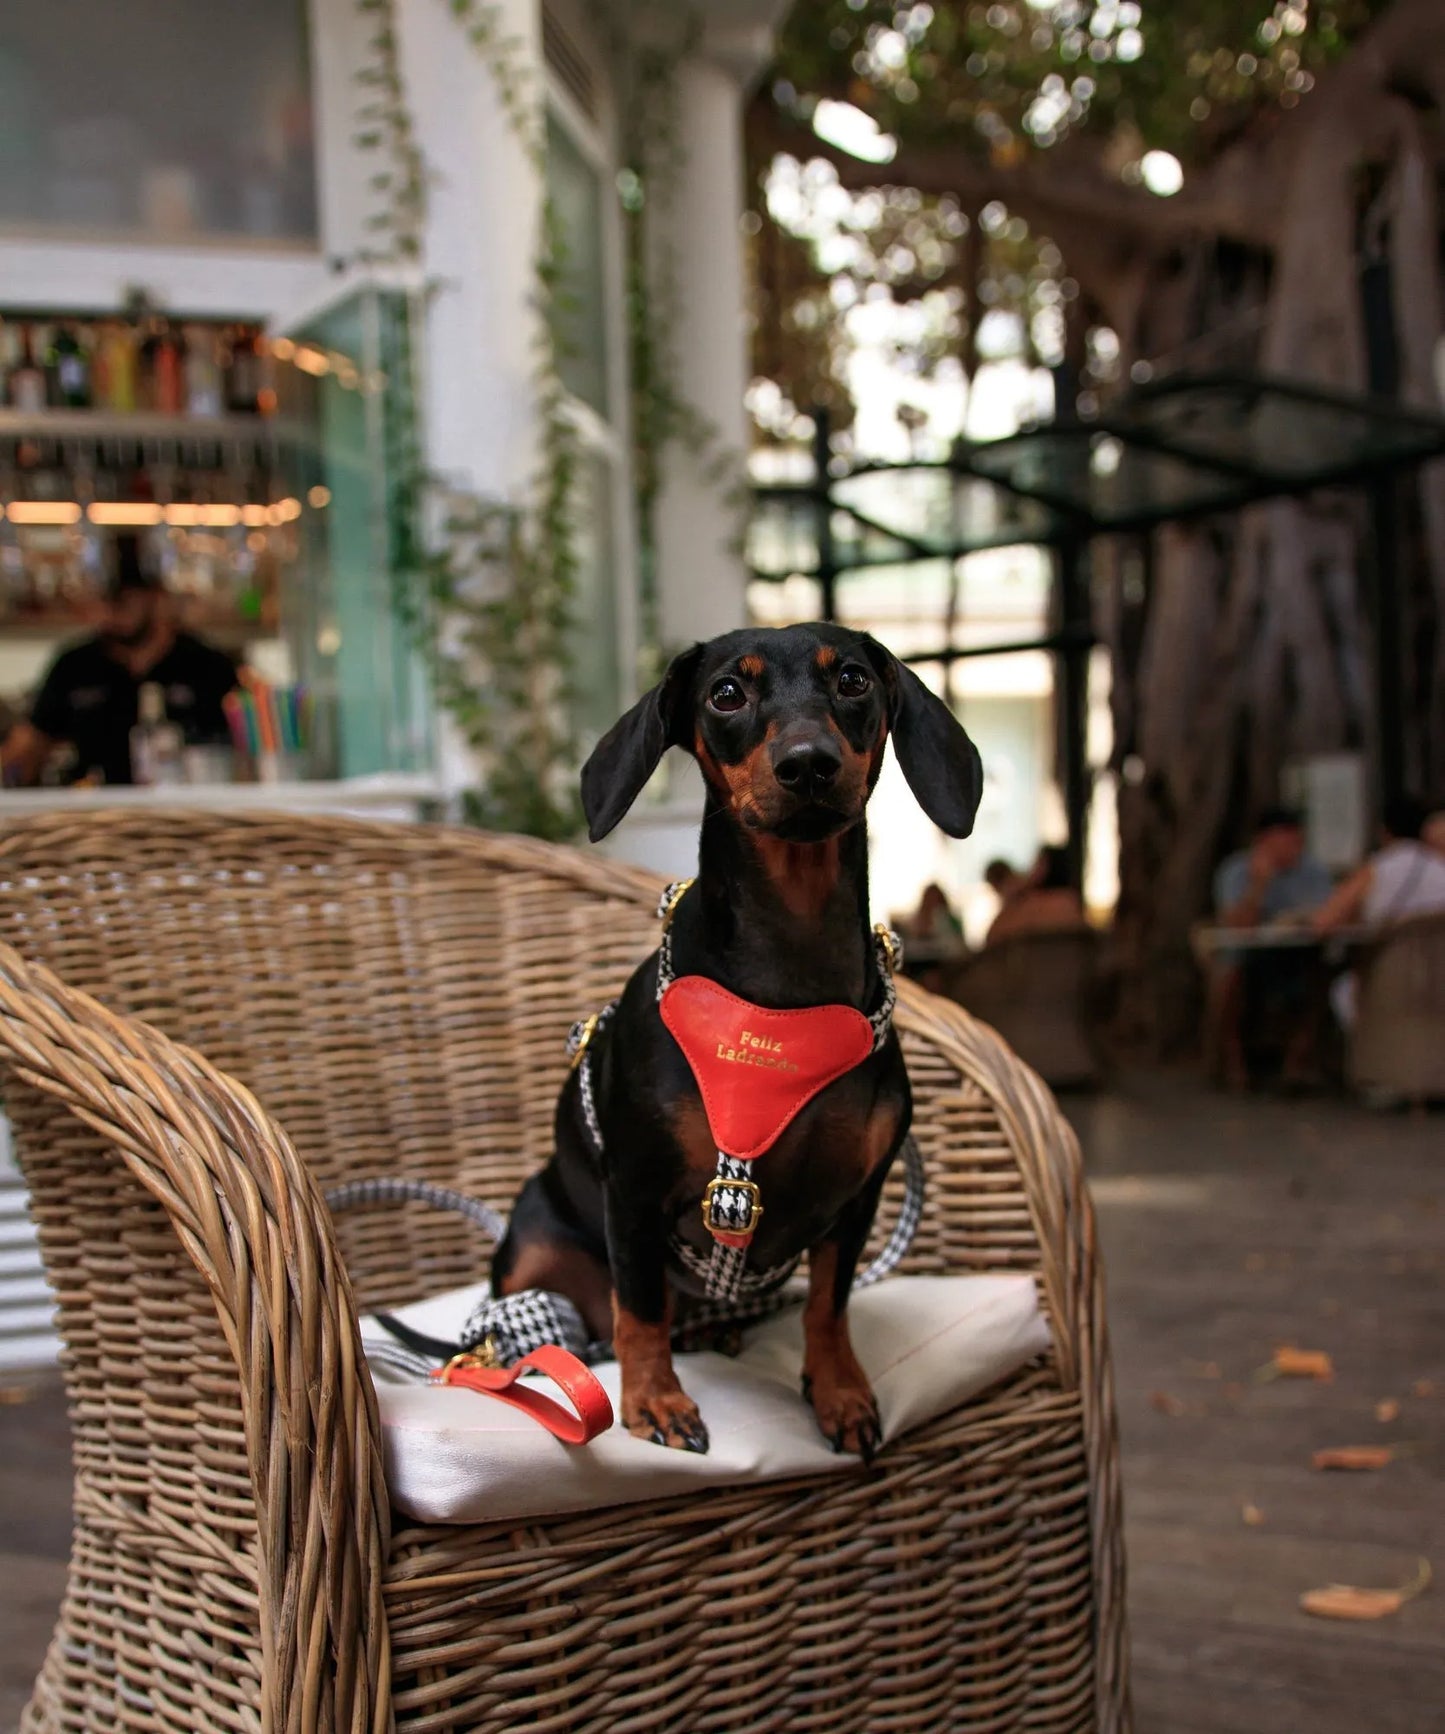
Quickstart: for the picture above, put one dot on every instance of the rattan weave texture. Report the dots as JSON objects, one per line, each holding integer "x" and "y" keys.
{"x": 398, "y": 998}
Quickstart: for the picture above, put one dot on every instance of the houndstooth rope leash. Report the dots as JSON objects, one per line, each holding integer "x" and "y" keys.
{"x": 502, "y": 1329}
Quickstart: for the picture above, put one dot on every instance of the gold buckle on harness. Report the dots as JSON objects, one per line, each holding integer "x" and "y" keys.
{"x": 589, "y": 1029}
{"x": 750, "y": 1192}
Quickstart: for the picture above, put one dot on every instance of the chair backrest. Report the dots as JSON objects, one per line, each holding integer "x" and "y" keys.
{"x": 1034, "y": 989}
{"x": 398, "y": 997}
{"x": 1398, "y": 1042}
{"x": 1038, "y": 965}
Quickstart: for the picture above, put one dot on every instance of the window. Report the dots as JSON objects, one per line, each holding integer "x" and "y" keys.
{"x": 595, "y": 626}
{"x": 580, "y": 169}
{"x": 575, "y": 188}
{"x": 164, "y": 121}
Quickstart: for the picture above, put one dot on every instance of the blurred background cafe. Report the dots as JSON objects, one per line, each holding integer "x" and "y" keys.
{"x": 291, "y": 514}
{"x": 194, "y": 420}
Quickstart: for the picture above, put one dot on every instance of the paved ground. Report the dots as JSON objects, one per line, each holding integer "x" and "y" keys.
{"x": 1230, "y": 1228}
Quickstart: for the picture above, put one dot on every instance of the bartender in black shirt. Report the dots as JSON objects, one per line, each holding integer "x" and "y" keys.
{"x": 90, "y": 696}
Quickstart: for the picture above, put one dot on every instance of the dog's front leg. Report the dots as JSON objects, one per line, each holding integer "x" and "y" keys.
{"x": 833, "y": 1381}
{"x": 654, "y": 1404}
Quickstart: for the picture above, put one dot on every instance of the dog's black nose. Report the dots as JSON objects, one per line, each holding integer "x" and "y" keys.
{"x": 807, "y": 767}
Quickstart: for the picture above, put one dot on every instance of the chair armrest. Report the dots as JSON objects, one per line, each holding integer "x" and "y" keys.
{"x": 1069, "y": 1270}
{"x": 1050, "y": 1167}
{"x": 252, "y": 1221}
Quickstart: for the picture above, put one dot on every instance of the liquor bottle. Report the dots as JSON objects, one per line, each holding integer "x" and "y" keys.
{"x": 114, "y": 369}
{"x": 68, "y": 366}
{"x": 162, "y": 370}
{"x": 156, "y": 746}
{"x": 27, "y": 381}
{"x": 203, "y": 372}
{"x": 243, "y": 371}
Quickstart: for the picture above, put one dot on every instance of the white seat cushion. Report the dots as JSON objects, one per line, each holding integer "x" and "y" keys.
{"x": 927, "y": 1342}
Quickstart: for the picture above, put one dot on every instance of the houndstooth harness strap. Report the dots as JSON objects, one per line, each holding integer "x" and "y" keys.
{"x": 827, "y": 1040}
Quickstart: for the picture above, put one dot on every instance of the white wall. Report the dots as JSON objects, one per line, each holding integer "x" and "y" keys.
{"x": 339, "y": 35}
{"x": 256, "y": 281}
{"x": 480, "y": 244}
{"x": 480, "y": 247}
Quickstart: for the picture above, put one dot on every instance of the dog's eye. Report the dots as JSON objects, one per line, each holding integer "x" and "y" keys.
{"x": 853, "y": 683}
{"x": 727, "y": 695}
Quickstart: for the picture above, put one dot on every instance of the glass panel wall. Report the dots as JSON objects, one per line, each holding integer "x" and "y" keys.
{"x": 162, "y": 121}
{"x": 352, "y": 649}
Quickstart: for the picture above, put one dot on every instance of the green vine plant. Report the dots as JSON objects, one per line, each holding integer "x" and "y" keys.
{"x": 656, "y": 37}
{"x": 484, "y": 587}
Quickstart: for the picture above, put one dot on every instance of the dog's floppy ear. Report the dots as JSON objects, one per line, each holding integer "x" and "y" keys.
{"x": 936, "y": 756}
{"x": 632, "y": 748}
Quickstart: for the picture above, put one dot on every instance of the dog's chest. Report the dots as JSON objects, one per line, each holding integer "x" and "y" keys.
{"x": 822, "y": 1160}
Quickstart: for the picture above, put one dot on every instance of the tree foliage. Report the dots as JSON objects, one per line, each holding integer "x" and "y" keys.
{"x": 999, "y": 80}
{"x": 999, "y": 99}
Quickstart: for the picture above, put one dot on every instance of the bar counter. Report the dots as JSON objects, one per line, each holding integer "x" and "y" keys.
{"x": 393, "y": 795}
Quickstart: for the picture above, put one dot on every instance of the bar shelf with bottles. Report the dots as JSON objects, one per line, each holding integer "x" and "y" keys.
{"x": 140, "y": 422}
{"x": 139, "y": 361}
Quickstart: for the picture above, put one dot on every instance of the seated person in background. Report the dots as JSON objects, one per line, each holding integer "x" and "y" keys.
{"x": 933, "y": 926}
{"x": 1272, "y": 880}
{"x": 90, "y": 696}
{"x": 1004, "y": 880}
{"x": 1266, "y": 993}
{"x": 1045, "y": 903}
{"x": 933, "y": 938}
{"x": 1403, "y": 878}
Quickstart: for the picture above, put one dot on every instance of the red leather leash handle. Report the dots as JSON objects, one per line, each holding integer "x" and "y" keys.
{"x": 593, "y": 1406}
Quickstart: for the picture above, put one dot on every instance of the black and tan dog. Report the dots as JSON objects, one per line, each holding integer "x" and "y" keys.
{"x": 789, "y": 727}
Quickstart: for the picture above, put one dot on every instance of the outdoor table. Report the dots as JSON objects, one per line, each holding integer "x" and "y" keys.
{"x": 1210, "y": 940}
{"x": 1323, "y": 955}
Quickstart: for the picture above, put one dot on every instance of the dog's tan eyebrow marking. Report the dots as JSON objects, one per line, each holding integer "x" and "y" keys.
{"x": 751, "y": 666}
{"x": 826, "y": 657}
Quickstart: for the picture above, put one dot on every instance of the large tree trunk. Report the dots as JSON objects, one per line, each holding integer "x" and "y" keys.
{"x": 1255, "y": 648}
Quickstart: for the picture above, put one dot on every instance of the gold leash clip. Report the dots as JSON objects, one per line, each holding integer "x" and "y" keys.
{"x": 484, "y": 1355}
{"x": 891, "y": 943}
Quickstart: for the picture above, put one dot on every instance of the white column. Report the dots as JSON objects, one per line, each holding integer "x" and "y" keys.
{"x": 701, "y": 581}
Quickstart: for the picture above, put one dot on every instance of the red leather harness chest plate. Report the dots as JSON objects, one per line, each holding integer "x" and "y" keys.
{"x": 757, "y": 1069}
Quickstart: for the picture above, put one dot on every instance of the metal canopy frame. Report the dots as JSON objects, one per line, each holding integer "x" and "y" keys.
{"x": 1182, "y": 448}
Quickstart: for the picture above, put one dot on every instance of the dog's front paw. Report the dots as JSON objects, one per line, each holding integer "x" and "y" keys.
{"x": 666, "y": 1418}
{"x": 847, "y": 1413}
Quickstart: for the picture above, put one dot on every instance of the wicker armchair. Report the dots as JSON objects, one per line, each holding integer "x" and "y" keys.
{"x": 397, "y": 998}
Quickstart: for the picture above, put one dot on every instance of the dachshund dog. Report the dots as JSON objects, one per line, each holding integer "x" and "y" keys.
{"x": 789, "y": 727}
